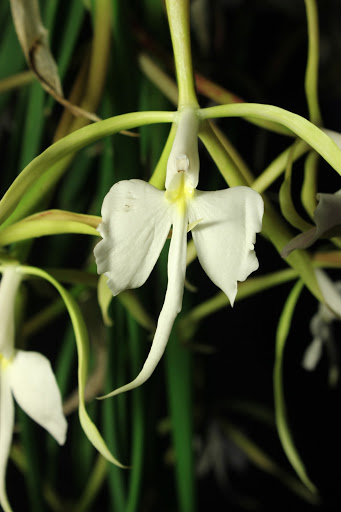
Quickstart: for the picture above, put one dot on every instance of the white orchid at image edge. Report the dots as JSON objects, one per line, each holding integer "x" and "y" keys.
{"x": 321, "y": 327}
{"x": 26, "y": 376}
{"x": 136, "y": 220}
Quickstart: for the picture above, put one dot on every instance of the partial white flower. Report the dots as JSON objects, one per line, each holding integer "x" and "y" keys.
{"x": 327, "y": 215}
{"x": 136, "y": 220}
{"x": 321, "y": 327}
{"x": 28, "y": 377}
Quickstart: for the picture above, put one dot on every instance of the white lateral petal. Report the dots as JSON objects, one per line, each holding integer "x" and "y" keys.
{"x": 6, "y": 431}
{"x": 172, "y": 304}
{"x": 35, "y": 389}
{"x": 225, "y": 238}
{"x": 136, "y": 222}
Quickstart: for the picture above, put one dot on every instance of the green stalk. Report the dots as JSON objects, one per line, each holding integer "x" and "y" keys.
{"x": 315, "y": 137}
{"x": 178, "y": 19}
{"x": 311, "y": 76}
{"x": 277, "y": 166}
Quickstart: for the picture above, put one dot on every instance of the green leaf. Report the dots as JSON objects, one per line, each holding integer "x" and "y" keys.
{"x": 284, "y": 432}
{"x": 69, "y": 145}
{"x": 50, "y": 222}
{"x": 82, "y": 342}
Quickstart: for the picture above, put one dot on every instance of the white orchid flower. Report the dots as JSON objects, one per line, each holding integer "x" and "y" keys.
{"x": 327, "y": 215}
{"x": 28, "y": 377}
{"x": 136, "y": 220}
{"x": 321, "y": 327}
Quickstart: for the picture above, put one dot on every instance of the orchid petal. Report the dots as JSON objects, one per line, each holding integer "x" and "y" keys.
{"x": 136, "y": 222}
{"x": 330, "y": 292}
{"x": 327, "y": 216}
{"x": 225, "y": 238}
{"x": 312, "y": 354}
{"x": 6, "y": 430}
{"x": 172, "y": 305}
{"x": 35, "y": 389}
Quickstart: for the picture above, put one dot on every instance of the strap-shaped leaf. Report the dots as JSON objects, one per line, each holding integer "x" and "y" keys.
{"x": 82, "y": 342}
{"x": 284, "y": 432}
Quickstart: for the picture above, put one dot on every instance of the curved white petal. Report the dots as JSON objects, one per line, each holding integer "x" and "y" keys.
{"x": 327, "y": 216}
{"x": 8, "y": 289}
{"x": 136, "y": 222}
{"x": 312, "y": 354}
{"x": 35, "y": 389}
{"x": 6, "y": 431}
{"x": 225, "y": 237}
{"x": 172, "y": 304}
{"x": 330, "y": 293}
{"x": 328, "y": 212}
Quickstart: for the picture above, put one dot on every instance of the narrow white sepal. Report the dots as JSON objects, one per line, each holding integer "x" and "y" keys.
{"x": 9, "y": 285}
{"x": 6, "y": 432}
{"x": 329, "y": 291}
{"x": 226, "y": 236}
{"x": 172, "y": 304}
{"x": 135, "y": 224}
{"x": 35, "y": 389}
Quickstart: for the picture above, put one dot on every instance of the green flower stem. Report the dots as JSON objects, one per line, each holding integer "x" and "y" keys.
{"x": 315, "y": 137}
{"x": 169, "y": 89}
{"x": 178, "y": 18}
{"x": 71, "y": 144}
{"x": 265, "y": 463}
{"x": 309, "y": 187}
{"x": 311, "y": 75}
{"x": 236, "y": 158}
{"x": 277, "y": 166}
{"x": 224, "y": 162}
